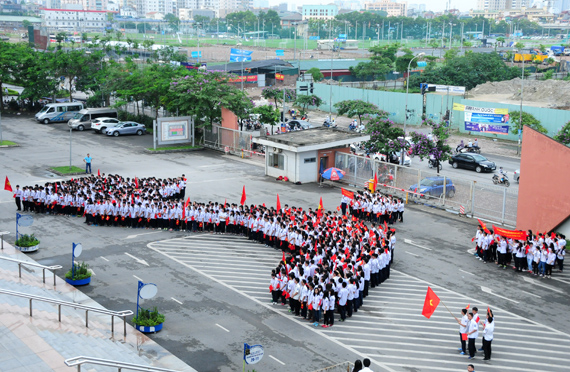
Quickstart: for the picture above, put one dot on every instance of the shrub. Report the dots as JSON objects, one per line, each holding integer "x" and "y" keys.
{"x": 26, "y": 241}
{"x": 563, "y": 135}
{"x": 81, "y": 272}
{"x": 148, "y": 318}
{"x": 142, "y": 119}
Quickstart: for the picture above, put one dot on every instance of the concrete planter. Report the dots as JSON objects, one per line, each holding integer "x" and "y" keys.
{"x": 33, "y": 248}
{"x": 152, "y": 329}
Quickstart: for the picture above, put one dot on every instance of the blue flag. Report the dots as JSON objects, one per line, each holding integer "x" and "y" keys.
{"x": 279, "y": 52}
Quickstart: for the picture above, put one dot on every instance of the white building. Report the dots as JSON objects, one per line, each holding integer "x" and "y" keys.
{"x": 74, "y": 20}
{"x": 128, "y": 12}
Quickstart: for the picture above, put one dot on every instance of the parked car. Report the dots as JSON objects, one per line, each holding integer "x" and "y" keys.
{"x": 100, "y": 125}
{"x": 299, "y": 124}
{"x": 433, "y": 186}
{"x": 127, "y": 127}
{"x": 476, "y": 162}
{"x": 517, "y": 175}
{"x": 394, "y": 158}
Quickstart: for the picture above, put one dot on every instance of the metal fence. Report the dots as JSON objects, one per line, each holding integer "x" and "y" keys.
{"x": 229, "y": 140}
{"x": 495, "y": 203}
{"x": 340, "y": 367}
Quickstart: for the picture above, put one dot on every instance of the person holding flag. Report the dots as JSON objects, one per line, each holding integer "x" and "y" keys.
{"x": 472, "y": 334}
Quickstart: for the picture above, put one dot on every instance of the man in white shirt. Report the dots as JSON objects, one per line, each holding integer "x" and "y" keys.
{"x": 488, "y": 330}
{"x": 342, "y": 299}
{"x": 366, "y": 364}
{"x": 472, "y": 333}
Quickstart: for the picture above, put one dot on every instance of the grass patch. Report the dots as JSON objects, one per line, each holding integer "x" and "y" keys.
{"x": 187, "y": 147}
{"x": 66, "y": 170}
{"x": 7, "y": 143}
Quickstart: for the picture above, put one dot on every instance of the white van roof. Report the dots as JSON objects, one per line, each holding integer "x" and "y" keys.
{"x": 64, "y": 104}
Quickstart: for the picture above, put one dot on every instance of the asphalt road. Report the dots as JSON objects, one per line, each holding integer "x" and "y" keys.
{"x": 213, "y": 289}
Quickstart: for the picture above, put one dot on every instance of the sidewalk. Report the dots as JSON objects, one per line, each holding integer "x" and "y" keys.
{"x": 41, "y": 343}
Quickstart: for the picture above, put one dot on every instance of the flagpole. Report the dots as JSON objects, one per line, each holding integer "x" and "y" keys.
{"x": 448, "y": 309}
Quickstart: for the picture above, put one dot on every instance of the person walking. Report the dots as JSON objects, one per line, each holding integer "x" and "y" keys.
{"x": 488, "y": 329}
{"x": 472, "y": 333}
{"x": 87, "y": 160}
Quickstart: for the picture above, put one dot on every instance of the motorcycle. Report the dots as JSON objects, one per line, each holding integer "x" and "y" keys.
{"x": 328, "y": 124}
{"x": 356, "y": 128}
{"x": 432, "y": 162}
{"x": 505, "y": 180}
{"x": 472, "y": 149}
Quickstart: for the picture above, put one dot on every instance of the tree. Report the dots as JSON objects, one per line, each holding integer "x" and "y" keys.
{"x": 403, "y": 62}
{"x": 26, "y": 23}
{"x": 450, "y": 54}
{"x": 563, "y": 135}
{"x": 519, "y": 46}
{"x": 75, "y": 66}
{"x": 435, "y": 147}
{"x": 358, "y": 108}
{"x": 501, "y": 40}
{"x": 277, "y": 94}
{"x": 467, "y": 44}
{"x": 383, "y": 133}
{"x": 527, "y": 119}
{"x": 316, "y": 73}
{"x": 155, "y": 84}
{"x": 11, "y": 60}
{"x": 202, "y": 94}
{"x": 304, "y": 101}
{"x": 381, "y": 62}
{"x": 267, "y": 115}
{"x": 173, "y": 21}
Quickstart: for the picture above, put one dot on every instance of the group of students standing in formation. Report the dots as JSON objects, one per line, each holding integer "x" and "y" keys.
{"x": 469, "y": 331}
{"x": 538, "y": 254}
{"x": 334, "y": 268}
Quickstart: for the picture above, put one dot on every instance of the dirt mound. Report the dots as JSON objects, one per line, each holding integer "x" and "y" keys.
{"x": 555, "y": 93}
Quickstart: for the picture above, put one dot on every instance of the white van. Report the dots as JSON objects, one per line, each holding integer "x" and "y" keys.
{"x": 82, "y": 119}
{"x": 58, "y": 112}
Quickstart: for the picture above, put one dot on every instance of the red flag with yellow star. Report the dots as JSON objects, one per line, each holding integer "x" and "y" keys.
{"x": 430, "y": 303}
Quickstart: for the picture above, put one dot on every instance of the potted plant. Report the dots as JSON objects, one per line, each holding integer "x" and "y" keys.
{"x": 148, "y": 321}
{"x": 79, "y": 274}
{"x": 27, "y": 243}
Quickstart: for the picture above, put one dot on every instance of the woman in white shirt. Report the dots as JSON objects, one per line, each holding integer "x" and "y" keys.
{"x": 550, "y": 260}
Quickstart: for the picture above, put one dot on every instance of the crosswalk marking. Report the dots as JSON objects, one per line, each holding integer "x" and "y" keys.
{"x": 389, "y": 329}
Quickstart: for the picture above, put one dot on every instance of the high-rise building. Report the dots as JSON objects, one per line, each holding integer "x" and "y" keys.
{"x": 502, "y": 4}
{"x": 319, "y": 11}
{"x": 392, "y": 8}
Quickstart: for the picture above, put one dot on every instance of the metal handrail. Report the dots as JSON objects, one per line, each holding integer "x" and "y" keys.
{"x": 121, "y": 314}
{"x": 79, "y": 360}
{"x": 44, "y": 268}
{"x": 2, "y": 238}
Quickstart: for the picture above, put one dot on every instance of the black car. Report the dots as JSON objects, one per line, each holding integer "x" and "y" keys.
{"x": 475, "y": 162}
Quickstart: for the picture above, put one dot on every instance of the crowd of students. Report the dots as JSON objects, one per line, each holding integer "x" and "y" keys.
{"x": 538, "y": 254}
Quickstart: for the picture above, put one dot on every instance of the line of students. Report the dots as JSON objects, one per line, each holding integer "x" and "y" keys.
{"x": 537, "y": 255}
{"x": 469, "y": 331}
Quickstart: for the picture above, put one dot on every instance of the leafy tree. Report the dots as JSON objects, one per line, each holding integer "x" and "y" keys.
{"x": 11, "y": 59}
{"x": 75, "y": 66}
{"x": 467, "y": 44}
{"x": 381, "y": 62}
{"x": 403, "y": 62}
{"x": 304, "y": 101}
{"x": 173, "y": 21}
{"x": 527, "y": 119}
{"x": 450, "y": 54}
{"x": 270, "y": 18}
{"x": 246, "y": 20}
{"x": 469, "y": 70}
{"x": 316, "y": 73}
{"x": 203, "y": 94}
{"x": 201, "y": 19}
{"x": 26, "y": 23}
{"x": 436, "y": 146}
{"x": 277, "y": 94}
{"x": 267, "y": 115}
{"x": 383, "y": 133}
{"x": 358, "y": 108}
{"x": 501, "y": 40}
{"x": 434, "y": 43}
{"x": 519, "y": 46}
{"x": 155, "y": 84}
{"x": 563, "y": 135}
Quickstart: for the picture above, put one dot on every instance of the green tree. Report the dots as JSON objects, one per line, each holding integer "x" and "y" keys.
{"x": 527, "y": 119}
{"x": 403, "y": 61}
{"x": 383, "y": 134}
{"x": 563, "y": 135}
{"x": 267, "y": 115}
{"x": 358, "y": 107}
{"x": 173, "y": 21}
{"x": 519, "y": 46}
{"x": 277, "y": 95}
{"x": 202, "y": 94}
{"x": 467, "y": 44}
{"x": 450, "y": 54}
{"x": 381, "y": 62}
{"x": 304, "y": 101}
{"x": 316, "y": 73}
{"x": 12, "y": 57}
{"x": 26, "y": 23}
{"x": 501, "y": 40}
{"x": 75, "y": 66}
{"x": 434, "y": 43}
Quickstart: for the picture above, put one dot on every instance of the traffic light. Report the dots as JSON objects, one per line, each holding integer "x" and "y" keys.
{"x": 311, "y": 88}
{"x": 282, "y": 116}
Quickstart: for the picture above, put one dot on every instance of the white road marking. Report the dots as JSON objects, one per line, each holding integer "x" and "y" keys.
{"x": 561, "y": 280}
{"x": 175, "y": 300}
{"x": 536, "y": 282}
{"x": 527, "y": 292}
{"x": 490, "y": 291}
{"x": 135, "y": 235}
{"x": 104, "y": 258}
{"x": 413, "y": 254}
{"x": 222, "y": 328}
{"x": 408, "y": 241}
{"x": 137, "y": 259}
{"x": 277, "y": 360}
{"x": 137, "y": 278}
{"x": 467, "y": 272}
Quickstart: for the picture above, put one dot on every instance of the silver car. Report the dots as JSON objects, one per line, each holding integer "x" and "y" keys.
{"x": 127, "y": 127}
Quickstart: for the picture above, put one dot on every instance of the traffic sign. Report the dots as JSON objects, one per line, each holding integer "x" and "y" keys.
{"x": 252, "y": 354}
{"x": 24, "y": 220}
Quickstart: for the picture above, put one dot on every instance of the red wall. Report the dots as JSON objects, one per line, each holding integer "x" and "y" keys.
{"x": 543, "y": 202}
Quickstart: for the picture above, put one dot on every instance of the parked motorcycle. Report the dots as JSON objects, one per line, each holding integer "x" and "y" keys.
{"x": 472, "y": 149}
{"x": 329, "y": 124}
{"x": 432, "y": 162}
{"x": 504, "y": 180}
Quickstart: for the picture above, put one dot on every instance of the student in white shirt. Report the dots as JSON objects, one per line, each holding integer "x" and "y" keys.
{"x": 463, "y": 323}
{"x": 488, "y": 330}
{"x": 472, "y": 333}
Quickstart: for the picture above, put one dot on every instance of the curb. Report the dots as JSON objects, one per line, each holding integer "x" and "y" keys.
{"x": 65, "y": 174}
{"x": 8, "y": 146}
{"x": 158, "y": 151}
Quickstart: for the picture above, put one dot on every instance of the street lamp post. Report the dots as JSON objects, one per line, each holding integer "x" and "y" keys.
{"x": 520, "y": 111}
{"x": 406, "y": 112}
{"x": 295, "y": 32}
{"x": 378, "y": 28}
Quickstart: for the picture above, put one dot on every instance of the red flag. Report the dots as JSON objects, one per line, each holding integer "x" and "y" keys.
{"x": 136, "y": 183}
{"x": 348, "y": 194}
{"x": 185, "y": 206}
{"x": 430, "y": 303}
{"x": 225, "y": 200}
{"x": 243, "y": 197}
{"x": 385, "y": 226}
{"x": 98, "y": 172}
{"x": 7, "y": 185}
{"x": 467, "y": 307}
{"x": 483, "y": 226}
{"x": 278, "y": 203}
{"x": 472, "y": 239}
{"x": 55, "y": 187}
{"x": 320, "y": 208}
{"x": 375, "y": 181}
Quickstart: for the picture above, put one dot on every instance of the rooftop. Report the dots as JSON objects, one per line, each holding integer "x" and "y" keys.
{"x": 314, "y": 137}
